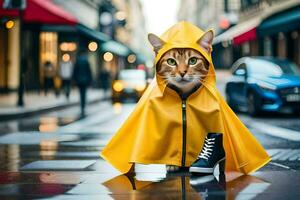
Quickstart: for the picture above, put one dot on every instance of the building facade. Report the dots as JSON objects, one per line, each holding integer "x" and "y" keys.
{"x": 265, "y": 28}
{"x": 129, "y": 29}
{"x": 216, "y": 14}
{"x": 55, "y": 30}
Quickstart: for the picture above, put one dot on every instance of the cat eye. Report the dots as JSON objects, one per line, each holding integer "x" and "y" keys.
{"x": 193, "y": 60}
{"x": 171, "y": 61}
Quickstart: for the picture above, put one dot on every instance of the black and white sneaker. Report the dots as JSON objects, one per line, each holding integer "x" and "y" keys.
{"x": 212, "y": 155}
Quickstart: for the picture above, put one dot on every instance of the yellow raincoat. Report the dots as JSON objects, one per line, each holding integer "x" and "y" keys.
{"x": 153, "y": 133}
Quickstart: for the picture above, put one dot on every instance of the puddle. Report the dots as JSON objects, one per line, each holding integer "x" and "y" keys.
{"x": 43, "y": 124}
{"x": 33, "y": 137}
{"x": 60, "y": 165}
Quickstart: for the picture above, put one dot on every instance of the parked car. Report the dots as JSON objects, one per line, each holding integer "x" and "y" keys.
{"x": 264, "y": 84}
{"x": 129, "y": 84}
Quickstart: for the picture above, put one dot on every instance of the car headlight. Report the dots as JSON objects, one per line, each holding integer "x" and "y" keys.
{"x": 118, "y": 86}
{"x": 140, "y": 87}
{"x": 267, "y": 87}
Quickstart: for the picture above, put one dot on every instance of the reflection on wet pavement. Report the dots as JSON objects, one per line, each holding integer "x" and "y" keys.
{"x": 42, "y": 124}
{"x": 57, "y": 165}
{"x": 51, "y": 121}
{"x": 64, "y": 163}
{"x": 75, "y": 185}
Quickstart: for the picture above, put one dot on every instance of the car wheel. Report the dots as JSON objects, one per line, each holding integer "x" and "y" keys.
{"x": 252, "y": 105}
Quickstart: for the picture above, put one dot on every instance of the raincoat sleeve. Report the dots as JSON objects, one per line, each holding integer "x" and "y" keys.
{"x": 243, "y": 152}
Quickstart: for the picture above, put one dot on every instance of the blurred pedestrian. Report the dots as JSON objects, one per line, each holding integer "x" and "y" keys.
{"x": 104, "y": 79}
{"x": 83, "y": 77}
{"x": 49, "y": 74}
{"x": 66, "y": 70}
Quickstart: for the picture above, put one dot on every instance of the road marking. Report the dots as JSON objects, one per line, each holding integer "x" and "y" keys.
{"x": 294, "y": 156}
{"x": 288, "y": 154}
{"x": 276, "y": 131}
{"x": 252, "y": 190}
{"x": 280, "y": 165}
{"x": 279, "y": 155}
{"x": 272, "y": 152}
{"x": 284, "y": 154}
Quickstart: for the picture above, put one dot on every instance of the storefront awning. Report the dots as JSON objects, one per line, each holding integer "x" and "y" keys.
{"x": 285, "y": 21}
{"x": 240, "y": 33}
{"x": 44, "y": 12}
{"x": 116, "y": 48}
{"x": 92, "y": 34}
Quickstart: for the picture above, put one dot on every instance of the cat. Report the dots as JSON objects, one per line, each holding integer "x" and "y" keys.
{"x": 183, "y": 69}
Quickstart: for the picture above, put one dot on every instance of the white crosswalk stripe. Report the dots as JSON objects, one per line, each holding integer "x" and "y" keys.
{"x": 284, "y": 154}
{"x": 275, "y": 131}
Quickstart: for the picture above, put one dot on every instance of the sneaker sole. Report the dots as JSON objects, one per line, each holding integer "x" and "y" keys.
{"x": 205, "y": 170}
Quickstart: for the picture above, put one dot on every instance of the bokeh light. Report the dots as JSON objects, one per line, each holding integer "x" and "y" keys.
{"x": 66, "y": 57}
{"x": 120, "y": 15}
{"x": 68, "y": 46}
{"x": 131, "y": 58}
{"x": 9, "y": 24}
{"x": 108, "y": 56}
{"x": 93, "y": 46}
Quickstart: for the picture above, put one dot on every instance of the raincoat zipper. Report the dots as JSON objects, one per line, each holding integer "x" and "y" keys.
{"x": 183, "y": 107}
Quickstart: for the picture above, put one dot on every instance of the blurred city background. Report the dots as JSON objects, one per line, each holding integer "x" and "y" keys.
{"x": 53, "y": 110}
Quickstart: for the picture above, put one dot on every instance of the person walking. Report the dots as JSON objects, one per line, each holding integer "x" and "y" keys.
{"x": 66, "y": 69}
{"x": 82, "y": 76}
{"x": 49, "y": 74}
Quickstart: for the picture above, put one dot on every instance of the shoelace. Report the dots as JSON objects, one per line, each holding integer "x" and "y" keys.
{"x": 207, "y": 148}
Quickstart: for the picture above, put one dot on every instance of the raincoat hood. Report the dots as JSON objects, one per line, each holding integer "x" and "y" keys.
{"x": 184, "y": 35}
{"x": 159, "y": 131}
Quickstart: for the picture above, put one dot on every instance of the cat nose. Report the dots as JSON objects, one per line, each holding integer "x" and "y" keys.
{"x": 182, "y": 73}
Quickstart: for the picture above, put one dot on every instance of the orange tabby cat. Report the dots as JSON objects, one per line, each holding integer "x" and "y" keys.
{"x": 183, "y": 69}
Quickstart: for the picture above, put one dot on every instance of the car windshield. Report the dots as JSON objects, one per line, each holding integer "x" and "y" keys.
{"x": 276, "y": 68}
{"x": 133, "y": 75}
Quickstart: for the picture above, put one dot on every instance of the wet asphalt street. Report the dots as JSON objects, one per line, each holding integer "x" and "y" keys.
{"x": 55, "y": 156}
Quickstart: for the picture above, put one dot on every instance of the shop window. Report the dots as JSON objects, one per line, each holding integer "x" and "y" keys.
{"x": 296, "y": 47}
{"x": 48, "y": 50}
{"x": 268, "y": 46}
{"x": 246, "y": 49}
{"x": 282, "y": 46}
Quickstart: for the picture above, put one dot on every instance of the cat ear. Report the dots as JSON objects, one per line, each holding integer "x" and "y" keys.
{"x": 156, "y": 42}
{"x": 206, "y": 41}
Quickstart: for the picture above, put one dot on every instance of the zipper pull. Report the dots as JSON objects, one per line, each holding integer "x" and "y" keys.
{"x": 183, "y": 104}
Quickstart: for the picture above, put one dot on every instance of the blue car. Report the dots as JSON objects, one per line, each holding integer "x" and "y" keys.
{"x": 264, "y": 84}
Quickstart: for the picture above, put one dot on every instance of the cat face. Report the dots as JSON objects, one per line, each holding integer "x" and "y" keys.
{"x": 183, "y": 69}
